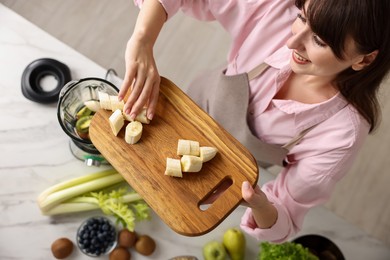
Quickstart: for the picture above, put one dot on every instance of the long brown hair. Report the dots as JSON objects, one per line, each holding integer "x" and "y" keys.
{"x": 368, "y": 23}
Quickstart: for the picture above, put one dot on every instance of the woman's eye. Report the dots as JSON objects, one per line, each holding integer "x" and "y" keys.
{"x": 318, "y": 41}
{"x": 300, "y": 17}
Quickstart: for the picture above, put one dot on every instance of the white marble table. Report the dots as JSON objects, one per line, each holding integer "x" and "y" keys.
{"x": 34, "y": 154}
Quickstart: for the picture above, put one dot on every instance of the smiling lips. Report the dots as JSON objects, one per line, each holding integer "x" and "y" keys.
{"x": 299, "y": 59}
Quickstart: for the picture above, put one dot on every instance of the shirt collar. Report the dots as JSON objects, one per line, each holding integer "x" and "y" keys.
{"x": 306, "y": 115}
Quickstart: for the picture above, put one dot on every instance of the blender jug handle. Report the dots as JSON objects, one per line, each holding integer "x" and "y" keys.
{"x": 66, "y": 87}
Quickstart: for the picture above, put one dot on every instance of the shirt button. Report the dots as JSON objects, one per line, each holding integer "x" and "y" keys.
{"x": 251, "y": 112}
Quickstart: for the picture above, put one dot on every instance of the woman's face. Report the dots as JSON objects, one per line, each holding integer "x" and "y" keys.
{"x": 312, "y": 56}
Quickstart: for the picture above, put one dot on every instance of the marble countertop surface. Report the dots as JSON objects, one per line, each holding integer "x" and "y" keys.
{"x": 35, "y": 154}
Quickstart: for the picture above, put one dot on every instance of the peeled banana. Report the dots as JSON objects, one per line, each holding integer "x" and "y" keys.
{"x": 194, "y": 148}
{"x": 116, "y": 121}
{"x": 133, "y": 132}
{"x": 193, "y": 157}
{"x": 187, "y": 147}
{"x": 111, "y": 102}
{"x": 104, "y": 99}
{"x": 191, "y": 163}
{"x": 207, "y": 153}
{"x": 141, "y": 117}
{"x": 173, "y": 168}
{"x": 93, "y": 105}
{"x": 115, "y": 103}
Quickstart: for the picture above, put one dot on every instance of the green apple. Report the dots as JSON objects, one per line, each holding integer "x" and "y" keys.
{"x": 234, "y": 242}
{"x": 214, "y": 250}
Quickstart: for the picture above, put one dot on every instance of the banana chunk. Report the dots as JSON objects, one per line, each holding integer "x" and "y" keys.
{"x": 93, "y": 105}
{"x": 191, "y": 163}
{"x": 115, "y": 103}
{"x": 194, "y": 148}
{"x": 141, "y": 117}
{"x": 133, "y": 132}
{"x": 183, "y": 147}
{"x": 187, "y": 147}
{"x": 207, "y": 153}
{"x": 104, "y": 99}
{"x": 116, "y": 121}
{"x": 173, "y": 168}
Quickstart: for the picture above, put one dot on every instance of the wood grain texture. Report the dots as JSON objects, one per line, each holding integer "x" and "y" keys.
{"x": 177, "y": 200}
{"x": 99, "y": 29}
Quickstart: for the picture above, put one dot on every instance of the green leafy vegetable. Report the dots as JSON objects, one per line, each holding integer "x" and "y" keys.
{"x": 285, "y": 251}
{"x": 106, "y": 190}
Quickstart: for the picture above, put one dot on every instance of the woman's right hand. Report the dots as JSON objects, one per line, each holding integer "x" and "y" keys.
{"x": 142, "y": 81}
{"x": 141, "y": 78}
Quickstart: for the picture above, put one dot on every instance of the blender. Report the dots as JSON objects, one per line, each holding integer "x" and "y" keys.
{"x": 72, "y": 100}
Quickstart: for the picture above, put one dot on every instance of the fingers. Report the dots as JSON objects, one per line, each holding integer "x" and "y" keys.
{"x": 254, "y": 197}
{"x": 248, "y": 193}
{"x": 126, "y": 84}
{"x": 153, "y": 100}
{"x": 145, "y": 90}
{"x": 141, "y": 85}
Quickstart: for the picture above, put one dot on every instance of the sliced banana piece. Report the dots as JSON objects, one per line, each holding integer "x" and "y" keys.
{"x": 187, "y": 147}
{"x": 141, "y": 117}
{"x": 183, "y": 147}
{"x": 207, "y": 153}
{"x": 191, "y": 163}
{"x": 115, "y": 103}
{"x": 133, "y": 132}
{"x": 93, "y": 105}
{"x": 104, "y": 99}
{"x": 173, "y": 168}
{"x": 116, "y": 121}
{"x": 194, "y": 148}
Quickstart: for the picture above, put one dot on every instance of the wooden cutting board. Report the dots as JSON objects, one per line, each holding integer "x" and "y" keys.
{"x": 178, "y": 200}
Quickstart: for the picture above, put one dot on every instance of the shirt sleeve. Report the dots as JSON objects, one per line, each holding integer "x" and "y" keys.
{"x": 293, "y": 194}
{"x": 319, "y": 163}
{"x": 236, "y": 16}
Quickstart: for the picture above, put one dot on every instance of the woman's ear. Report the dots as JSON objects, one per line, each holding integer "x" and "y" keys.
{"x": 366, "y": 60}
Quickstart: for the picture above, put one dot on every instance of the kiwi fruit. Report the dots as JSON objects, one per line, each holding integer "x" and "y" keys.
{"x": 120, "y": 253}
{"x": 84, "y": 111}
{"x": 62, "y": 248}
{"x": 82, "y": 126}
{"x": 145, "y": 245}
{"x": 126, "y": 238}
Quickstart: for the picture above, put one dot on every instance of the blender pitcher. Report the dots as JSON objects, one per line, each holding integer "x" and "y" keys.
{"x": 71, "y": 100}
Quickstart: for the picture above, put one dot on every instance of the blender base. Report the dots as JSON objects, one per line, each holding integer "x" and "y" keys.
{"x": 91, "y": 159}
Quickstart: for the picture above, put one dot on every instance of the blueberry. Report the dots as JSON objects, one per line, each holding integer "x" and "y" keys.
{"x": 96, "y": 236}
{"x": 106, "y": 227}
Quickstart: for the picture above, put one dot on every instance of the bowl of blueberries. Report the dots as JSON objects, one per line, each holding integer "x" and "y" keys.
{"x": 96, "y": 236}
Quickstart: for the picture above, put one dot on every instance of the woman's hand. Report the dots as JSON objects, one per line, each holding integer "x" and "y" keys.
{"x": 264, "y": 213}
{"x": 141, "y": 78}
{"x": 254, "y": 197}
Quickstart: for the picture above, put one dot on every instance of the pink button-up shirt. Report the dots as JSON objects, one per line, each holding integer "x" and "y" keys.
{"x": 260, "y": 29}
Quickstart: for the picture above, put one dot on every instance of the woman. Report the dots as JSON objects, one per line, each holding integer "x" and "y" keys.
{"x": 303, "y": 77}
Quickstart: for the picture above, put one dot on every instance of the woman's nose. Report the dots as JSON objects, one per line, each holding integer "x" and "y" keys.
{"x": 298, "y": 38}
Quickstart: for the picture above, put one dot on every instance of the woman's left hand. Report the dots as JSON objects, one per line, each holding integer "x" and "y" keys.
{"x": 264, "y": 213}
{"x": 253, "y": 197}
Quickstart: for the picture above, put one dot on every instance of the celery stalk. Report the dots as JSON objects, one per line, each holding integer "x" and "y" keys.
{"x": 80, "y": 204}
{"x": 65, "y": 208}
{"x": 106, "y": 190}
{"x": 83, "y": 199}
{"x": 75, "y": 181}
{"x": 130, "y": 197}
{"x": 57, "y": 197}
